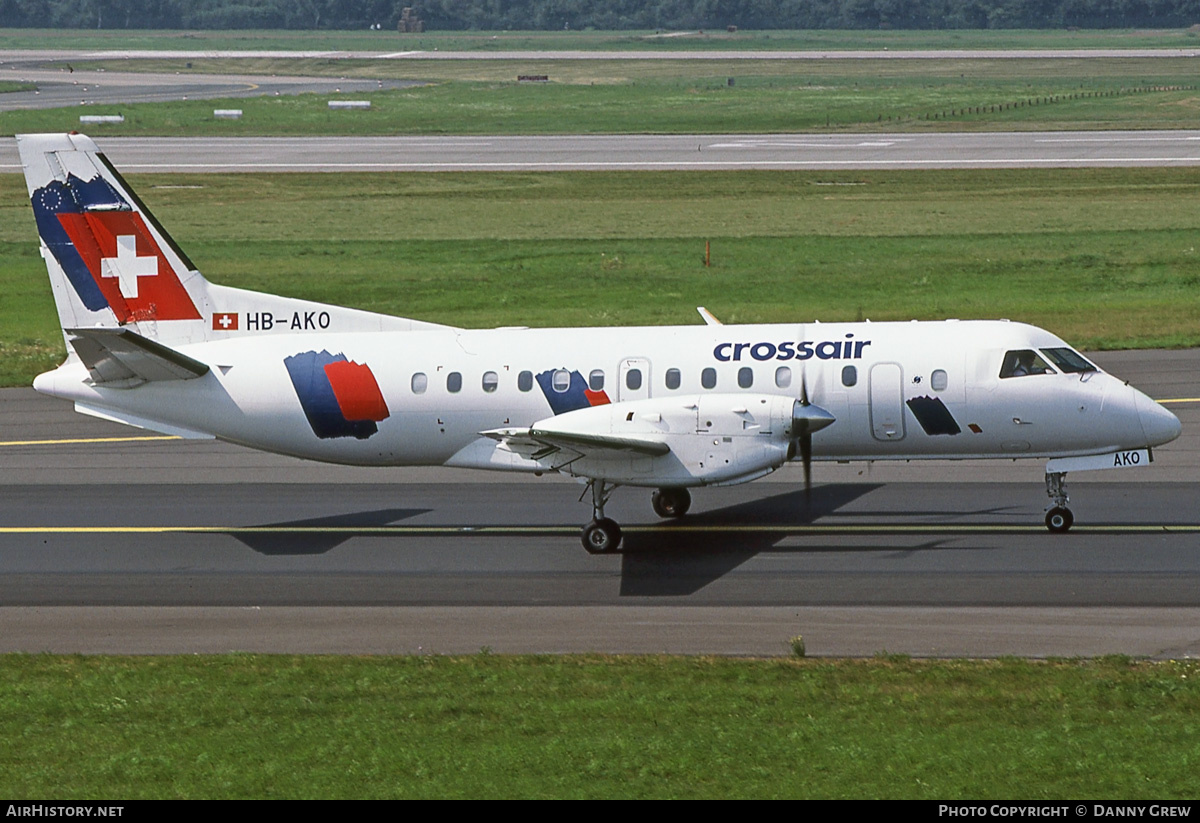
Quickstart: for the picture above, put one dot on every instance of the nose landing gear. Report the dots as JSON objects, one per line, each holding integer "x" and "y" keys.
{"x": 1058, "y": 517}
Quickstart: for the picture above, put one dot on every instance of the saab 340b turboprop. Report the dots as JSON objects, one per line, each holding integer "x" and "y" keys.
{"x": 153, "y": 344}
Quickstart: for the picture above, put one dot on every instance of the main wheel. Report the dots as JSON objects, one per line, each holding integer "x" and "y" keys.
{"x": 1059, "y": 519}
{"x": 601, "y": 536}
{"x": 671, "y": 502}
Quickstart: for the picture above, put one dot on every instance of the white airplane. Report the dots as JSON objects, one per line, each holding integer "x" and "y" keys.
{"x": 152, "y": 344}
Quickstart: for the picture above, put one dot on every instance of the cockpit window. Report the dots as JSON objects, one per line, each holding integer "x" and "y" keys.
{"x": 1024, "y": 362}
{"x": 1068, "y": 361}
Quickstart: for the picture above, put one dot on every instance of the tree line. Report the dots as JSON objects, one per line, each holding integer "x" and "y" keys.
{"x": 442, "y": 15}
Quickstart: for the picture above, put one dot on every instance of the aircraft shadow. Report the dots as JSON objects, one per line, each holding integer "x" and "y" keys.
{"x": 665, "y": 562}
{"x": 276, "y": 539}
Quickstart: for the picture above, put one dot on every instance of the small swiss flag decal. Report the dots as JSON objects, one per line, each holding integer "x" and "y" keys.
{"x": 225, "y": 321}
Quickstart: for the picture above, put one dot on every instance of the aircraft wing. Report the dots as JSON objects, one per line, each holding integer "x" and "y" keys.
{"x": 124, "y": 356}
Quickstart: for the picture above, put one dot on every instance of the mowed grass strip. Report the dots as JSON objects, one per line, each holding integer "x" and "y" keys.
{"x": 93, "y": 39}
{"x": 669, "y": 97}
{"x": 1106, "y": 258}
{"x": 236, "y": 726}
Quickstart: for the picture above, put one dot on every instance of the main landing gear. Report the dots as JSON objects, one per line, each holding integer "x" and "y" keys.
{"x": 604, "y": 535}
{"x": 1058, "y": 516}
{"x": 671, "y": 502}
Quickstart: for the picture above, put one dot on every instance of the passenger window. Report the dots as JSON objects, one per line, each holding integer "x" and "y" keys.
{"x": 490, "y": 381}
{"x": 561, "y": 380}
{"x": 708, "y": 378}
{"x": 419, "y": 383}
{"x": 1068, "y": 361}
{"x": 454, "y": 382}
{"x": 633, "y": 379}
{"x": 745, "y": 377}
{"x": 596, "y": 380}
{"x": 672, "y": 378}
{"x": 938, "y": 380}
{"x": 849, "y": 376}
{"x": 783, "y": 377}
{"x": 1024, "y": 362}
{"x": 525, "y": 380}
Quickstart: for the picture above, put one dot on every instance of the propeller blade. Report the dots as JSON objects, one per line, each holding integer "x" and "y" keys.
{"x": 806, "y": 459}
{"x": 806, "y": 419}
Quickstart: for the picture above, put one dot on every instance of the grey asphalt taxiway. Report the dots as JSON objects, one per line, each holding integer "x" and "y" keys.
{"x": 105, "y": 92}
{"x": 153, "y": 545}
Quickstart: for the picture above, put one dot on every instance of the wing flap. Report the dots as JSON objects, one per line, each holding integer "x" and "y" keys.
{"x": 534, "y": 442}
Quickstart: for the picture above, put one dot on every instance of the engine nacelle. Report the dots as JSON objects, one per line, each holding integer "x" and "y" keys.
{"x": 711, "y": 438}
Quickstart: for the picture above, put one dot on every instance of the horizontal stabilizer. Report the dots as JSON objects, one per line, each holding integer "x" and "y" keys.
{"x": 115, "y": 356}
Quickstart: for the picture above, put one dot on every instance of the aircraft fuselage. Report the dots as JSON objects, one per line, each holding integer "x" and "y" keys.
{"x": 897, "y": 390}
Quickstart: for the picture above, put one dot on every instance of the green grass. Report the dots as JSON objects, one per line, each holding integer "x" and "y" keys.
{"x": 782, "y": 40}
{"x": 608, "y": 727}
{"x": 1107, "y": 258}
{"x": 683, "y": 97}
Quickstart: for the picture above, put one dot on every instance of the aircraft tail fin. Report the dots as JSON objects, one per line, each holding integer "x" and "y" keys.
{"x": 110, "y": 263}
{"x": 113, "y": 265}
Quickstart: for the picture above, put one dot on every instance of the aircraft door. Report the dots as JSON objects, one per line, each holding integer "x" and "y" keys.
{"x": 633, "y": 383}
{"x": 887, "y": 402}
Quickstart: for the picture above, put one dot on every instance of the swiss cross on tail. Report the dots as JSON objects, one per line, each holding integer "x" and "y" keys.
{"x": 128, "y": 266}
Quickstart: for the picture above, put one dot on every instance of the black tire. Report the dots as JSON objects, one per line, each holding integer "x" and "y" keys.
{"x": 601, "y": 536}
{"x": 671, "y": 502}
{"x": 1059, "y": 519}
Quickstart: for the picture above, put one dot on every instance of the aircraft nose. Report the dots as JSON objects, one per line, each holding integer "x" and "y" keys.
{"x": 1158, "y": 424}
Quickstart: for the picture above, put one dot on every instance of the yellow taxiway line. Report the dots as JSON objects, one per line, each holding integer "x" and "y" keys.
{"x": 459, "y": 531}
{"x": 86, "y": 440}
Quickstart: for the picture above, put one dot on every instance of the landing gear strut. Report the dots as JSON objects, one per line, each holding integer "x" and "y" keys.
{"x": 671, "y": 502}
{"x": 1058, "y": 516}
{"x": 602, "y": 534}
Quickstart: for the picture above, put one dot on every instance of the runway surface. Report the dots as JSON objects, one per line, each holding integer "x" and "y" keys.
{"x": 260, "y": 552}
{"x": 646, "y": 152}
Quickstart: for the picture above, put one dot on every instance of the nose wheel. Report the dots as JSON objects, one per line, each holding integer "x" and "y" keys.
{"x": 1058, "y": 517}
